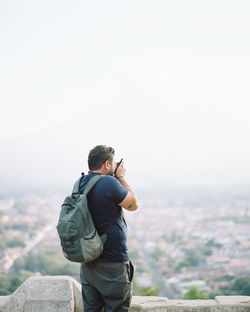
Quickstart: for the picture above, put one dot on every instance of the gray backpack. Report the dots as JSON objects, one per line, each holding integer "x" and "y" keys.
{"x": 79, "y": 238}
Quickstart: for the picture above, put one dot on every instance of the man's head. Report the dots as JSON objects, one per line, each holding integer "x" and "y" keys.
{"x": 101, "y": 158}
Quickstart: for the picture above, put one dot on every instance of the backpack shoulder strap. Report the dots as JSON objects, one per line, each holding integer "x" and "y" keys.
{"x": 75, "y": 192}
{"x": 88, "y": 187}
{"x": 91, "y": 184}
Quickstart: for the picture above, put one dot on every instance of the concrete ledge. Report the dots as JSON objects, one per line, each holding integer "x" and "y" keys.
{"x": 232, "y": 299}
{"x": 63, "y": 294}
{"x": 220, "y": 304}
{"x": 45, "y": 293}
{"x": 143, "y": 303}
{"x": 3, "y": 299}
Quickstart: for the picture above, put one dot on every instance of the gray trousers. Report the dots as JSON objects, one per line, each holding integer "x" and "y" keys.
{"x": 106, "y": 285}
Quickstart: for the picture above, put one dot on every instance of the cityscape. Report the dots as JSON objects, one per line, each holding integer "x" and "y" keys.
{"x": 166, "y": 85}
{"x": 178, "y": 238}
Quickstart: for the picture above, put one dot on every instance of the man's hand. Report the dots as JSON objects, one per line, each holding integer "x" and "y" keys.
{"x": 130, "y": 201}
{"x": 121, "y": 170}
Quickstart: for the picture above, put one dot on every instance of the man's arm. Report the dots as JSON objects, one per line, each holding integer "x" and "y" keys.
{"x": 130, "y": 201}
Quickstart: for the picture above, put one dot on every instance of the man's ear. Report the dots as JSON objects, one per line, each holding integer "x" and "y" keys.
{"x": 107, "y": 165}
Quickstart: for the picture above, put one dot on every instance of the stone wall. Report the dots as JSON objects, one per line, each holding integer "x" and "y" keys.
{"x": 63, "y": 294}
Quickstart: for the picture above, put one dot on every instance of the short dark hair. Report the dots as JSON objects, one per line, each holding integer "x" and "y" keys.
{"x": 98, "y": 155}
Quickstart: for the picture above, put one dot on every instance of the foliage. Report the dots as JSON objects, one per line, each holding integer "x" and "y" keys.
{"x": 157, "y": 253}
{"x": 193, "y": 293}
{"x": 192, "y": 258}
{"x": 2, "y": 244}
{"x": 48, "y": 262}
{"x": 21, "y": 227}
{"x": 222, "y": 292}
{"x": 44, "y": 262}
{"x": 15, "y": 242}
{"x": 242, "y": 286}
{"x": 144, "y": 291}
{"x": 148, "y": 291}
{"x": 211, "y": 243}
{"x": 8, "y": 284}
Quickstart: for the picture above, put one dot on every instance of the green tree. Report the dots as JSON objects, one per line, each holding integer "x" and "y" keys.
{"x": 157, "y": 253}
{"x": 148, "y": 291}
{"x": 9, "y": 283}
{"x": 16, "y": 242}
{"x": 2, "y": 243}
{"x": 15, "y": 282}
{"x": 192, "y": 259}
{"x": 242, "y": 286}
{"x": 47, "y": 262}
{"x": 144, "y": 291}
{"x": 193, "y": 293}
{"x": 4, "y": 286}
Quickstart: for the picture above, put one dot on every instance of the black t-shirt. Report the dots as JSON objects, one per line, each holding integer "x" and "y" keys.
{"x": 103, "y": 202}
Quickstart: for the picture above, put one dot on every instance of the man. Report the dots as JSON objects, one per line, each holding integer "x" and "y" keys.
{"x": 107, "y": 281}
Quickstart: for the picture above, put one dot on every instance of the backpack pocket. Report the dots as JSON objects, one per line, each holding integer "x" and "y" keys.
{"x": 92, "y": 246}
{"x": 69, "y": 237}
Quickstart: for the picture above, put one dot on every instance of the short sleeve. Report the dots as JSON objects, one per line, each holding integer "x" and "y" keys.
{"x": 115, "y": 189}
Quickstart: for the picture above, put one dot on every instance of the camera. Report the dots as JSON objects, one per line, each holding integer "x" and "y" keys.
{"x": 117, "y": 165}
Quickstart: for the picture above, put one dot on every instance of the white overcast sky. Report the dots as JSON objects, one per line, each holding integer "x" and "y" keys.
{"x": 166, "y": 82}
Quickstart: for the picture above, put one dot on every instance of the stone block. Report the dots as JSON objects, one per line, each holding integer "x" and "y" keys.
{"x": 232, "y": 304}
{"x": 232, "y": 299}
{"x": 49, "y": 288}
{"x": 150, "y": 304}
{"x": 190, "y": 305}
{"x": 44, "y": 293}
{"x": 225, "y": 308}
{"x": 3, "y": 299}
{"x": 243, "y": 308}
{"x": 77, "y": 292}
{"x": 48, "y": 306}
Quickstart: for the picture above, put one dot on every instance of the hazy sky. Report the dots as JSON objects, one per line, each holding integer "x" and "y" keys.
{"x": 166, "y": 82}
